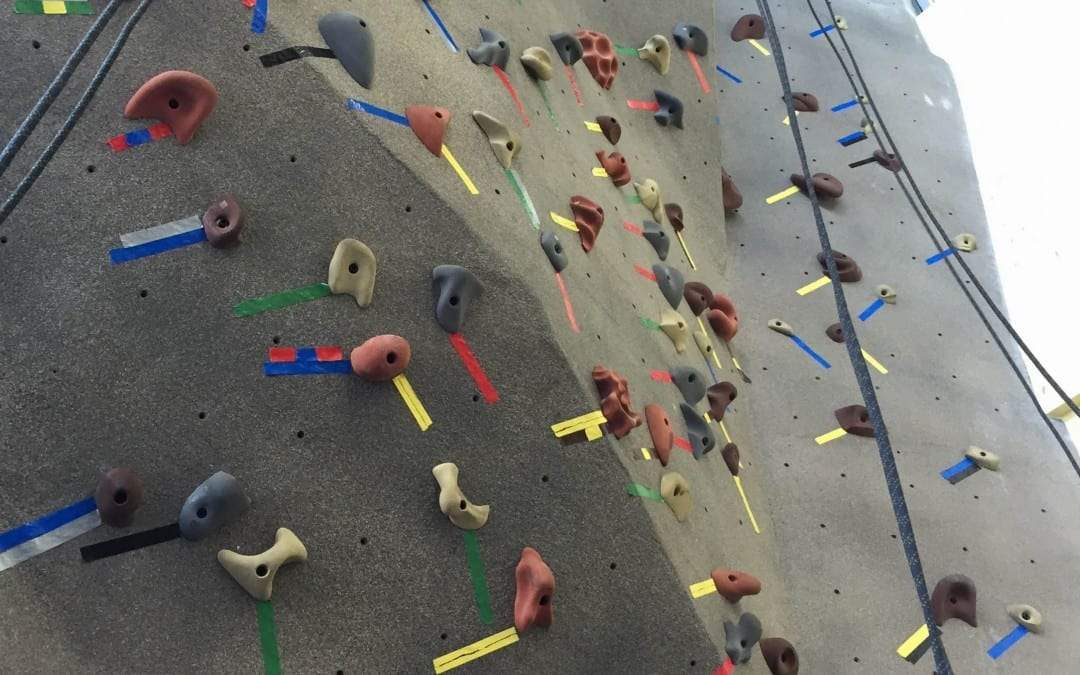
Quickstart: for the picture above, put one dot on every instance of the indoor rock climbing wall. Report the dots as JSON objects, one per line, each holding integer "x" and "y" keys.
{"x": 145, "y": 363}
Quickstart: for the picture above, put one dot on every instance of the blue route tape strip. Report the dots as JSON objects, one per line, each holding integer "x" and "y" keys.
{"x": 851, "y": 139}
{"x": 871, "y": 310}
{"x": 441, "y": 26}
{"x": 844, "y": 106}
{"x": 357, "y": 104}
{"x": 806, "y": 348}
{"x": 959, "y": 471}
{"x": 258, "y": 16}
{"x": 45, "y": 524}
{"x": 938, "y": 257}
{"x": 821, "y": 31}
{"x": 342, "y": 367}
{"x": 1003, "y": 645}
{"x": 128, "y": 253}
{"x": 731, "y": 76}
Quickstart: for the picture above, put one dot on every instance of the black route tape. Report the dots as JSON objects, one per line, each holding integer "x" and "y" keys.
{"x": 131, "y": 542}
{"x": 292, "y": 53}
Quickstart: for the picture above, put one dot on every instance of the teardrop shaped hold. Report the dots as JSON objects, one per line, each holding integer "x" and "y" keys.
{"x": 504, "y": 143}
{"x": 352, "y": 271}
{"x": 954, "y": 598}
{"x": 429, "y": 123}
{"x": 855, "y": 420}
{"x": 223, "y": 221}
{"x": 616, "y": 167}
{"x": 256, "y": 573}
{"x": 671, "y": 109}
{"x": 670, "y": 281}
{"x": 180, "y": 98}
{"x": 493, "y": 50}
{"x": 826, "y": 186}
{"x": 118, "y": 495}
{"x": 553, "y": 249}
{"x": 782, "y": 327}
{"x": 733, "y": 585}
{"x": 452, "y": 501}
{"x": 610, "y": 127}
{"x": 674, "y": 215}
{"x": 690, "y": 37}
{"x": 589, "y": 218}
{"x": 748, "y": 27}
{"x": 381, "y": 358}
{"x": 567, "y": 47}
{"x": 730, "y": 453}
{"x": 846, "y": 266}
{"x": 655, "y": 235}
{"x": 676, "y": 493}
{"x": 780, "y": 656}
{"x": 732, "y": 196}
{"x": 702, "y": 440}
{"x": 663, "y": 436}
{"x": 804, "y": 101}
{"x": 349, "y": 37}
{"x": 648, "y": 191}
{"x": 456, "y": 289}
{"x": 689, "y": 382}
{"x": 537, "y": 62}
{"x": 535, "y": 589}
{"x": 218, "y": 501}
{"x": 657, "y": 51}
{"x": 698, "y": 296}
{"x": 721, "y": 395}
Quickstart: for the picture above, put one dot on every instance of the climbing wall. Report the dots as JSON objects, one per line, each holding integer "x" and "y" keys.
{"x": 168, "y": 365}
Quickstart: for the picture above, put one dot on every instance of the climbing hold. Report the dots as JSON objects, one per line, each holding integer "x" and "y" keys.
{"x": 984, "y": 458}
{"x": 846, "y": 266}
{"x": 840, "y": 22}
{"x": 675, "y": 216}
{"x": 721, "y": 395}
{"x": 886, "y": 293}
{"x": 964, "y": 242}
{"x": 504, "y": 143}
{"x": 656, "y": 51}
{"x": 118, "y": 495}
{"x": 854, "y": 419}
{"x": 179, "y": 98}
{"x": 825, "y": 185}
{"x": 567, "y": 47}
{"x": 1027, "y": 616}
{"x": 616, "y": 167}
{"x": 804, "y": 102}
{"x": 215, "y": 503}
{"x": 549, "y": 241}
{"x": 598, "y": 53}
{"x": 535, "y": 586}
{"x": 689, "y": 36}
{"x": 615, "y": 401}
{"x": 455, "y": 290}
{"x": 734, "y": 585}
{"x": 732, "y": 196}
{"x": 676, "y": 493}
{"x": 888, "y": 160}
{"x": 780, "y": 656}
{"x": 670, "y": 281}
{"x": 689, "y": 382}
{"x": 223, "y": 221}
{"x": 742, "y": 637}
{"x": 537, "y": 62}
{"x": 492, "y": 50}
{"x": 352, "y": 271}
{"x": 654, "y": 234}
{"x": 835, "y": 333}
{"x": 704, "y": 344}
{"x": 730, "y": 453}
{"x": 452, "y": 500}
{"x": 660, "y": 430}
{"x": 701, "y": 436}
{"x": 782, "y": 327}
{"x": 722, "y": 317}
{"x": 670, "y": 111}
{"x": 748, "y": 27}
{"x": 674, "y": 326}
{"x": 649, "y": 194}
{"x": 610, "y": 127}
{"x": 255, "y": 573}
{"x": 347, "y": 35}
{"x": 429, "y": 123}
{"x": 698, "y": 296}
{"x": 381, "y": 358}
{"x": 954, "y": 598}
{"x": 589, "y": 218}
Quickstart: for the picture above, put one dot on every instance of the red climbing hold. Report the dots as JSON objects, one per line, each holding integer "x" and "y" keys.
{"x": 855, "y": 420}
{"x": 733, "y": 584}
{"x": 780, "y": 656}
{"x": 732, "y": 196}
{"x": 381, "y": 358}
{"x": 589, "y": 218}
{"x": 615, "y": 401}
{"x": 826, "y": 186}
{"x": 599, "y": 56}
{"x": 722, "y": 317}
{"x": 179, "y": 98}
{"x": 698, "y": 296}
{"x": 615, "y": 165}
{"x": 535, "y": 586}
{"x": 429, "y": 123}
{"x": 660, "y": 429}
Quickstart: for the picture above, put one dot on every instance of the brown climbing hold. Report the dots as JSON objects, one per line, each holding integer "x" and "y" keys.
{"x": 223, "y": 221}
{"x": 804, "y": 101}
{"x": 720, "y": 396}
{"x": 732, "y": 196}
{"x": 381, "y": 358}
{"x": 888, "y": 160}
{"x": 589, "y": 218}
{"x": 180, "y": 98}
{"x": 780, "y": 656}
{"x": 748, "y": 27}
{"x": 610, "y": 127}
{"x": 826, "y": 186}
{"x": 835, "y": 333}
{"x": 535, "y": 586}
{"x": 599, "y": 56}
{"x": 429, "y": 123}
{"x": 734, "y": 585}
{"x": 854, "y": 419}
{"x": 119, "y": 493}
{"x": 615, "y": 165}
{"x": 663, "y": 436}
{"x": 675, "y": 216}
{"x": 722, "y": 317}
{"x": 698, "y": 296}
{"x": 615, "y": 401}
{"x": 676, "y": 493}
{"x": 954, "y": 598}
{"x": 730, "y": 453}
{"x": 845, "y": 265}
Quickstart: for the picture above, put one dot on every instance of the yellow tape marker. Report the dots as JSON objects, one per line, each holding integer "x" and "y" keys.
{"x": 564, "y": 222}
{"x": 593, "y": 126}
{"x": 758, "y": 46}
{"x": 746, "y": 504}
{"x": 460, "y": 172}
{"x": 645, "y": 454}
{"x": 781, "y": 195}
{"x": 474, "y": 651}
{"x": 911, "y": 644}
{"x": 53, "y": 7}
{"x": 715, "y": 358}
{"x": 814, "y": 285}
{"x": 682, "y": 242}
{"x": 874, "y": 363}
{"x": 831, "y": 436}
{"x": 724, "y": 429}
{"x": 599, "y": 172}
{"x": 1064, "y": 412}
{"x": 589, "y": 423}
{"x": 702, "y": 588}
{"x": 412, "y": 402}
{"x": 787, "y": 120}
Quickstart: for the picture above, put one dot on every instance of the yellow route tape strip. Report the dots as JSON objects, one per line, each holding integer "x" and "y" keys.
{"x": 781, "y": 195}
{"x": 787, "y": 120}
{"x": 585, "y": 422}
{"x": 460, "y": 172}
{"x": 814, "y": 285}
{"x": 645, "y": 454}
{"x": 912, "y": 643}
{"x": 53, "y": 7}
{"x": 874, "y": 363}
{"x": 593, "y": 126}
{"x": 412, "y": 402}
{"x": 682, "y": 242}
{"x": 702, "y": 588}
{"x": 564, "y": 222}
{"x": 599, "y": 172}
{"x": 758, "y": 46}
{"x": 1063, "y": 411}
{"x": 746, "y": 504}
{"x": 724, "y": 429}
{"x": 831, "y": 436}
{"x": 715, "y": 358}
{"x": 474, "y": 651}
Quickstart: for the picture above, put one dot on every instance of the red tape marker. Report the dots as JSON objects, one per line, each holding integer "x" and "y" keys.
{"x": 630, "y": 227}
{"x": 328, "y": 354}
{"x": 644, "y": 272}
{"x": 248, "y": 3}
{"x": 660, "y": 376}
{"x": 724, "y": 668}
{"x": 684, "y": 444}
{"x": 566, "y": 303}
{"x": 282, "y": 354}
{"x": 573, "y": 83}
{"x": 474, "y": 368}
{"x": 697, "y": 71}
{"x": 513, "y": 93}
{"x": 642, "y": 105}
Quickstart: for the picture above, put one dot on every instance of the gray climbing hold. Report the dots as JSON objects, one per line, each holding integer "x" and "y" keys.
{"x": 689, "y": 36}
{"x": 670, "y": 281}
{"x": 690, "y": 383}
{"x": 492, "y": 50}
{"x": 455, "y": 290}
{"x": 701, "y": 436}
{"x": 670, "y": 111}
{"x": 568, "y": 47}
{"x": 215, "y": 503}
{"x": 654, "y": 234}
{"x": 549, "y": 241}
{"x": 781, "y": 327}
{"x": 741, "y": 638}
{"x": 347, "y": 35}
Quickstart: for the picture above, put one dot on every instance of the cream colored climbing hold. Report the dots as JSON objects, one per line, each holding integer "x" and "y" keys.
{"x": 452, "y": 501}
{"x": 255, "y": 573}
{"x": 676, "y": 493}
{"x": 538, "y": 62}
{"x": 657, "y": 51}
{"x": 886, "y": 293}
{"x": 704, "y": 344}
{"x": 965, "y": 242}
{"x": 840, "y": 22}
{"x": 1027, "y": 616}
{"x": 674, "y": 326}
{"x": 781, "y": 327}
{"x": 867, "y": 126}
{"x": 352, "y": 271}
{"x": 984, "y": 458}
{"x": 504, "y": 143}
{"x": 649, "y": 193}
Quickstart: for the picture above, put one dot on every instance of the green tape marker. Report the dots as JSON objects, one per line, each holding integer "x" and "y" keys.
{"x": 547, "y": 102}
{"x": 268, "y": 638}
{"x": 479, "y": 582}
{"x": 649, "y": 323}
{"x": 633, "y": 199}
{"x": 80, "y": 7}
{"x": 639, "y": 490}
{"x": 626, "y": 51}
{"x": 279, "y": 300}
{"x": 523, "y": 197}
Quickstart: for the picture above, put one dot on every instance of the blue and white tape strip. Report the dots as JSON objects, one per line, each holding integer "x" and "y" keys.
{"x": 161, "y": 231}
{"x": 449, "y": 39}
{"x": 148, "y": 247}
{"x": 48, "y": 532}
{"x": 357, "y": 104}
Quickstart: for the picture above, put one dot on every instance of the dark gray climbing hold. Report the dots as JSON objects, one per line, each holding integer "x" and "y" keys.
{"x": 347, "y": 35}
{"x": 568, "y": 47}
{"x": 670, "y": 111}
{"x": 654, "y": 234}
{"x": 954, "y": 598}
{"x": 689, "y": 36}
{"x": 699, "y": 431}
{"x": 690, "y": 383}
{"x": 741, "y": 638}
{"x": 215, "y": 503}
{"x": 455, "y": 290}
{"x": 492, "y": 50}
{"x": 835, "y": 333}
{"x": 670, "y": 281}
{"x": 554, "y": 250}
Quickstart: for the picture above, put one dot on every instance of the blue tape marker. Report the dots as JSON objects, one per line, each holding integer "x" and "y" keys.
{"x": 442, "y": 27}
{"x": 1006, "y": 642}
{"x": 728, "y": 75}
{"x": 966, "y": 464}
{"x": 128, "y": 253}
{"x": 821, "y": 31}
{"x": 45, "y": 524}
{"x": 806, "y": 348}
{"x": 869, "y": 311}
{"x": 342, "y": 367}
{"x": 844, "y": 106}
{"x": 938, "y": 257}
{"x": 258, "y": 16}
{"x": 716, "y": 119}
{"x": 851, "y": 138}
{"x": 306, "y": 354}
{"x": 138, "y": 137}
{"x": 357, "y": 104}
{"x": 712, "y": 373}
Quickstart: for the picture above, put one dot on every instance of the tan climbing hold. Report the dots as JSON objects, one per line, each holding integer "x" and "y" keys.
{"x": 886, "y": 293}
{"x": 674, "y": 326}
{"x": 1027, "y": 616}
{"x": 452, "y": 501}
{"x": 676, "y": 493}
{"x": 781, "y": 327}
{"x": 840, "y": 22}
{"x": 255, "y": 573}
{"x": 352, "y": 271}
{"x": 984, "y": 458}
{"x": 537, "y": 62}
{"x": 704, "y": 344}
{"x": 649, "y": 193}
{"x": 965, "y": 242}
{"x": 657, "y": 51}
{"x": 504, "y": 143}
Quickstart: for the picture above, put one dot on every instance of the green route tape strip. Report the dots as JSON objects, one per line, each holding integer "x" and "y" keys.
{"x": 649, "y": 323}
{"x": 547, "y": 102}
{"x": 282, "y": 299}
{"x": 639, "y": 490}
{"x": 523, "y": 197}
{"x": 479, "y": 581}
{"x": 268, "y": 638}
{"x": 626, "y": 51}
{"x": 633, "y": 199}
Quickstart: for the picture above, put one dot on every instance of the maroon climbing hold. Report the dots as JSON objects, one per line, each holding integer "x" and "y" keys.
{"x": 733, "y": 584}
{"x": 535, "y": 586}
{"x": 887, "y": 160}
{"x": 429, "y": 123}
{"x": 599, "y": 56}
{"x": 223, "y": 221}
{"x": 730, "y": 453}
{"x": 674, "y": 216}
{"x": 825, "y": 185}
{"x": 720, "y": 396}
{"x": 179, "y": 98}
{"x": 615, "y": 165}
{"x": 748, "y": 27}
{"x": 780, "y": 656}
{"x": 855, "y": 420}
{"x": 804, "y": 101}
{"x": 615, "y": 401}
{"x": 610, "y": 128}
{"x": 732, "y": 196}
{"x": 835, "y": 332}
{"x": 381, "y": 358}
{"x": 698, "y": 296}
{"x": 589, "y": 218}
{"x": 845, "y": 265}
{"x": 660, "y": 429}
{"x": 722, "y": 317}
{"x": 119, "y": 493}
{"x": 954, "y": 598}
